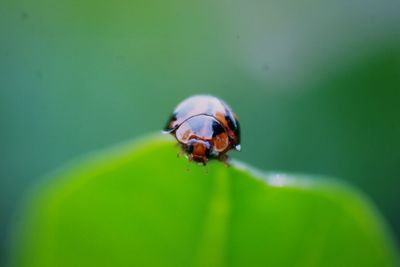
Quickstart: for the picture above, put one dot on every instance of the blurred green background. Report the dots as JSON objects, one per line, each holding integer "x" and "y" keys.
{"x": 316, "y": 84}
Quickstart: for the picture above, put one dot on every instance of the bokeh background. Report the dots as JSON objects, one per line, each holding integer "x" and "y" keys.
{"x": 316, "y": 84}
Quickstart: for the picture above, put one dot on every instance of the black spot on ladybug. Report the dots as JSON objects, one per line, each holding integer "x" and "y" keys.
{"x": 208, "y": 152}
{"x": 231, "y": 124}
{"x": 217, "y": 128}
{"x": 189, "y": 149}
{"x": 237, "y": 131}
{"x": 172, "y": 118}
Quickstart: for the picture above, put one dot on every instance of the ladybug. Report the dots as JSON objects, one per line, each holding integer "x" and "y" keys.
{"x": 205, "y": 128}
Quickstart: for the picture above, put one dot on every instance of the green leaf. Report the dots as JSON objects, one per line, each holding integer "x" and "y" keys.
{"x": 139, "y": 205}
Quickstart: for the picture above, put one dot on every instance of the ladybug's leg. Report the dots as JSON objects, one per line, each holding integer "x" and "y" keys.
{"x": 224, "y": 159}
{"x": 181, "y": 152}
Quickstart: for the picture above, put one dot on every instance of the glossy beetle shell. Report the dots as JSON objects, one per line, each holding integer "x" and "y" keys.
{"x": 205, "y": 127}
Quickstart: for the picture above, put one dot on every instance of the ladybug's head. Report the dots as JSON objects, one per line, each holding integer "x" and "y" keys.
{"x": 198, "y": 150}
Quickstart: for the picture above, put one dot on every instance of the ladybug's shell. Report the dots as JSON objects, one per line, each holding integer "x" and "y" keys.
{"x": 206, "y": 105}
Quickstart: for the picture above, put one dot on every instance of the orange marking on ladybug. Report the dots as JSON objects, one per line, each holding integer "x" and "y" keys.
{"x": 205, "y": 127}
